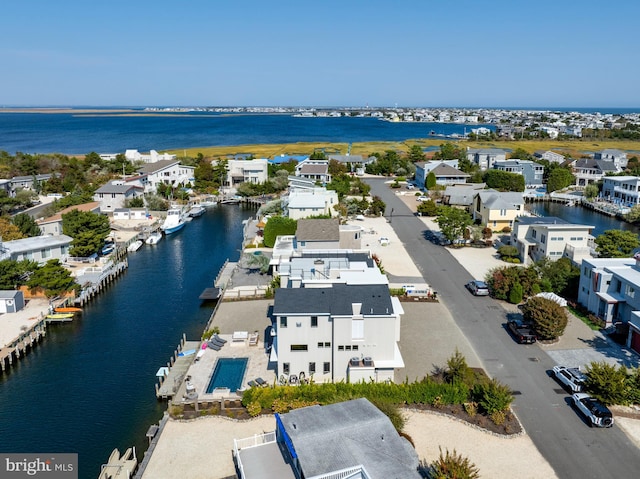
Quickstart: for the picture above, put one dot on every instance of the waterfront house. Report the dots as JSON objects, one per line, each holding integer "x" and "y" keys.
{"x": 37, "y": 248}
{"x": 318, "y": 234}
{"x": 485, "y": 157}
{"x": 619, "y": 158}
{"x": 351, "y": 439}
{"x": 551, "y": 237}
{"x": 550, "y": 156}
{"x": 299, "y": 183}
{"x": 53, "y": 224}
{"x": 610, "y": 289}
{"x": 113, "y": 195}
{"x": 168, "y": 172}
{"x": 135, "y": 156}
{"x": 461, "y": 194}
{"x": 532, "y": 171}
{"x": 316, "y": 170}
{"x": 29, "y": 182}
{"x": 355, "y": 163}
{"x": 497, "y": 210}
{"x": 337, "y": 332}
{"x": 621, "y": 190}
{"x": 11, "y": 301}
{"x": 448, "y": 175}
{"x": 126, "y": 214}
{"x": 589, "y": 170}
{"x": 423, "y": 168}
{"x": 246, "y": 171}
{"x": 302, "y": 203}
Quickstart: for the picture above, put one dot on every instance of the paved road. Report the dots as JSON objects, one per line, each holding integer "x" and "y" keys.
{"x": 572, "y": 448}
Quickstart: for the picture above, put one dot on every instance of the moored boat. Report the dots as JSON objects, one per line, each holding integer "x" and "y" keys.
{"x": 196, "y": 211}
{"x": 135, "y": 246}
{"x": 59, "y": 316}
{"x": 154, "y": 238}
{"x": 174, "y": 221}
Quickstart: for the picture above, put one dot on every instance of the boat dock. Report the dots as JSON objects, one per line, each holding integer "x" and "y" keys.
{"x": 94, "y": 279}
{"x": 171, "y": 376}
{"x": 225, "y": 274}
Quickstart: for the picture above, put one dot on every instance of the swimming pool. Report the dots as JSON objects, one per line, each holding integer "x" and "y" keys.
{"x": 228, "y": 373}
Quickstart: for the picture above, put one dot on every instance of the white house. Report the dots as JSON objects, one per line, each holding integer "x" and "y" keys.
{"x": 423, "y": 168}
{"x": 550, "y": 156}
{"x": 247, "y": 171}
{"x": 152, "y": 157}
{"x": 302, "y": 203}
{"x": 317, "y": 170}
{"x": 485, "y": 157}
{"x": 550, "y": 237}
{"x": 623, "y": 190}
{"x": 610, "y": 289}
{"x": 113, "y": 195}
{"x": 168, "y": 172}
{"x": 589, "y": 170}
{"x": 619, "y": 158}
{"x": 338, "y": 332}
{"x": 37, "y": 248}
{"x": 53, "y": 224}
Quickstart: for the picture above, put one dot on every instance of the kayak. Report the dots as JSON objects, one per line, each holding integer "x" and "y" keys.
{"x": 68, "y": 310}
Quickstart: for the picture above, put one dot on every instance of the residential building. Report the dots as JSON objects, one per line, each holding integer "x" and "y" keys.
{"x": 318, "y": 234}
{"x": 37, "y": 248}
{"x": 610, "y": 289}
{"x": 113, "y": 195}
{"x": 53, "y": 224}
{"x": 622, "y": 190}
{"x": 550, "y": 156}
{"x": 302, "y": 203}
{"x": 351, "y": 439}
{"x": 355, "y": 163}
{"x": 485, "y": 157}
{"x": 247, "y": 171}
{"x": 589, "y": 170}
{"x": 282, "y": 158}
{"x": 316, "y": 170}
{"x": 338, "y": 332}
{"x": 153, "y": 156}
{"x": 128, "y": 214}
{"x": 448, "y": 175}
{"x": 497, "y": 210}
{"x": 461, "y": 194}
{"x": 551, "y": 237}
{"x": 619, "y": 158}
{"x": 299, "y": 183}
{"x": 423, "y": 168}
{"x": 28, "y": 182}
{"x": 168, "y": 172}
{"x": 533, "y": 172}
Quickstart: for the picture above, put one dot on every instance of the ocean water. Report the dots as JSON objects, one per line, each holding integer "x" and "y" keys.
{"x": 71, "y": 133}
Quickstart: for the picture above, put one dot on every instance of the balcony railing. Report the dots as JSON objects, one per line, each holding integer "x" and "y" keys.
{"x": 249, "y": 442}
{"x": 356, "y": 472}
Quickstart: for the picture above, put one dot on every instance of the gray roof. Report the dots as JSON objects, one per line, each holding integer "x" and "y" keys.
{"x": 462, "y": 194}
{"x": 337, "y": 300}
{"x": 313, "y": 169}
{"x": 501, "y": 200}
{"x": 117, "y": 189}
{"x": 9, "y": 294}
{"x": 150, "y": 168}
{"x": 487, "y": 151}
{"x": 445, "y": 170}
{"x": 37, "y": 243}
{"x": 348, "y": 158}
{"x": 541, "y": 220}
{"x": 338, "y": 436}
{"x": 318, "y": 230}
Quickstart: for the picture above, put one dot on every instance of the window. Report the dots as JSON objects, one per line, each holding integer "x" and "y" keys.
{"x": 283, "y": 321}
{"x": 629, "y": 291}
{"x": 327, "y": 345}
{"x": 340, "y": 348}
{"x": 503, "y": 212}
{"x": 285, "y": 368}
{"x": 347, "y": 347}
{"x": 45, "y": 253}
{"x": 543, "y": 239}
{"x": 299, "y": 347}
{"x": 354, "y": 347}
{"x": 326, "y": 368}
{"x": 314, "y": 321}
{"x": 320, "y": 344}
{"x": 534, "y": 233}
{"x": 357, "y": 329}
{"x": 312, "y": 368}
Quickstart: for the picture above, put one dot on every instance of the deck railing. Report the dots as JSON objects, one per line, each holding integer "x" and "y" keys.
{"x": 358, "y": 472}
{"x": 249, "y": 442}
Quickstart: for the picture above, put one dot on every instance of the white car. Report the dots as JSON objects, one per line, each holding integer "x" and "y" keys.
{"x": 572, "y": 378}
{"x": 596, "y": 413}
{"x": 384, "y": 241}
{"x": 422, "y": 198}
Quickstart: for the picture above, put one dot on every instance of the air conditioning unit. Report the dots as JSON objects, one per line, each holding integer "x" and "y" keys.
{"x": 354, "y": 362}
{"x": 368, "y": 361}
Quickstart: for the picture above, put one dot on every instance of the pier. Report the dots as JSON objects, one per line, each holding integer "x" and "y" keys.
{"x": 94, "y": 279}
{"x": 172, "y": 376}
{"x": 23, "y": 344}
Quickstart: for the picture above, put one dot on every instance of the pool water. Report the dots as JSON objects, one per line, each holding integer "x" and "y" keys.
{"x": 228, "y": 373}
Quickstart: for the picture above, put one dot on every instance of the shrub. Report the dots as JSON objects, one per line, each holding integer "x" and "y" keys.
{"x": 428, "y": 208}
{"x": 471, "y": 408}
{"x": 515, "y": 294}
{"x": 487, "y": 233}
{"x": 254, "y": 409}
{"x": 506, "y": 229}
{"x": 607, "y": 383}
{"x": 508, "y": 251}
{"x": 548, "y": 317}
{"x": 633, "y": 383}
{"x": 452, "y": 465}
{"x": 276, "y": 226}
{"x": 493, "y": 396}
{"x": 458, "y": 370}
{"x": 392, "y": 411}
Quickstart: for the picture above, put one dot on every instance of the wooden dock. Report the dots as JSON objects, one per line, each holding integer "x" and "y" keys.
{"x": 23, "y": 344}
{"x": 176, "y": 369}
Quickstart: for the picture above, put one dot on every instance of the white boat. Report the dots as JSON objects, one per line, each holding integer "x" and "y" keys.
{"x": 195, "y": 211}
{"x": 154, "y": 238}
{"x": 208, "y": 202}
{"x": 174, "y": 221}
{"x": 135, "y": 246}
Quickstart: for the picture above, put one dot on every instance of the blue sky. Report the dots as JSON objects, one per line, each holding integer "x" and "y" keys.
{"x": 322, "y": 53}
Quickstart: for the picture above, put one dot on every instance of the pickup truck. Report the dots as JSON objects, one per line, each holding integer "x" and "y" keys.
{"x": 596, "y": 413}
{"x": 522, "y": 331}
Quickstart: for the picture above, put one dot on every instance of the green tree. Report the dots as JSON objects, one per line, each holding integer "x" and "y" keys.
{"x": 493, "y": 396}
{"x": 88, "y": 231}
{"x": 25, "y": 197}
{"x": 449, "y": 151}
{"x": 431, "y": 180}
{"x": 156, "y": 203}
{"x": 8, "y": 230}
{"x": 53, "y": 278}
{"x": 633, "y": 216}
{"x": 15, "y": 273}
{"x": 516, "y": 293}
{"x": 137, "y": 202}
{"x": 26, "y": 224}
{"x": 278, "y": 226}
{"x": 591, "y": 191}
{"x": 377, "y": 206}
{"x": 453, "y": 222}
{"x": 616, "y": 244}
{"x": 205, "y": 178}
{"x": 337, "y": 168}
{"x": 416, "y": 154}
{"x": 521, "y": 154}
{"x": 504, "y": 180}
{"x": 559, "y": 178}
{"x": 428, "y": 208}
{"x": 607, "y": 383}
{"x": 548, "y": 317}
{"x": 560, "y": 276}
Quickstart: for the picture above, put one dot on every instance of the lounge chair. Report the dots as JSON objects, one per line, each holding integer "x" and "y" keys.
{"x": 213, "y": 346}
{"x": 219, "y": 339}
{"x": 261, "y": 381}
{"x": 216, "y": 342}
{"x": 253, "y": 384}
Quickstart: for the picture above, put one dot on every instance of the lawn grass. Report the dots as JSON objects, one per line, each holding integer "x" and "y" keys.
{"x": 575, "y": 148}
{"x": 584, "y": 318}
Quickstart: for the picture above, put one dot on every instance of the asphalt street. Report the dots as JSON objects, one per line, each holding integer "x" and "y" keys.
{"x": 562, "y": 436}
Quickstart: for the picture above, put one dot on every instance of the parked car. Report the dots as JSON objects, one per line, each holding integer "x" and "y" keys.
{"x": 596, "y": 413}
{"x": 384, "y": 241}
{"x": 410, "y": 186}
{"x": 572, "y": 378}
{"x": 422, "y": 198}
{"x": 478, "y": 288}
{"x": 523, "y": 332}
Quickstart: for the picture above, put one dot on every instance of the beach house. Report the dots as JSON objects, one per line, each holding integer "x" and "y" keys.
{"x": 621, "y": 190}
{"x": 497, "y": 210}
{"x": 485, "y": 157}
{"x": 113, "y": 195}
{"x": 533, "y": 172}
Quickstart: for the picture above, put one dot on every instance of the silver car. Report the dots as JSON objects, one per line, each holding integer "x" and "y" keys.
{"x": 478, "y": 288}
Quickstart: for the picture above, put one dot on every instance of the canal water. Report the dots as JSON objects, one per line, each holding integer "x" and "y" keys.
{"x": 580, "y": 215}
{"x": 89, "y": 386}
